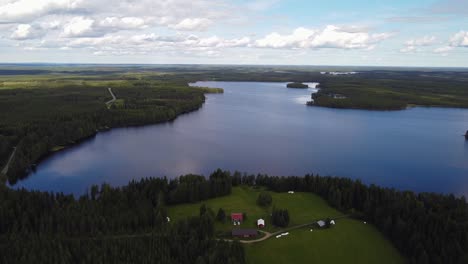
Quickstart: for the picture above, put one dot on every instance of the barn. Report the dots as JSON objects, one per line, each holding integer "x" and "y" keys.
{"x": 260, "y": 223}
{"x": 237, "y": 218}
{"x": 244, "y": 232}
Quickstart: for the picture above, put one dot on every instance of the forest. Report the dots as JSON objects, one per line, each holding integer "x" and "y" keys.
{"x": 113, "y": 225}
{"x": 382, "y": 90}
{"x": 46, "y": 108}
{"x": 129, "y": 222}
{"x": 424, "y": 227}
{"x": 49, "y": 108}
{"x": 52, "y": 114}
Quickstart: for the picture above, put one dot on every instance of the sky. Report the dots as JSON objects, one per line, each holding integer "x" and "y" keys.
{"x": 427, "y": 33}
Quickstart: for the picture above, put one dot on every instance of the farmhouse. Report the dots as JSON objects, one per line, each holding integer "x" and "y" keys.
{"x": 244, "y": 233}
{"x": 237, "y": 218}
{"x": 260, "y": 223}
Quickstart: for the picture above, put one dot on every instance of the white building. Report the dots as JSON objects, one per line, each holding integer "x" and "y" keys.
{"x": 321, "y": 223}
{"x": 261, "y": 223}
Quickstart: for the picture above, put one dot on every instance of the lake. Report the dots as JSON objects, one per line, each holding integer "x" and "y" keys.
{"x": 267, "y": 128}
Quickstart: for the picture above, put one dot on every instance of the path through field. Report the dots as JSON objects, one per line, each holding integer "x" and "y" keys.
{"x": 108, "y": 103}
{"x": 5, "y": 169}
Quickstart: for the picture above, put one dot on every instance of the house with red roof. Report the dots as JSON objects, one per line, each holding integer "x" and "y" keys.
{"x": 237, "y": 218}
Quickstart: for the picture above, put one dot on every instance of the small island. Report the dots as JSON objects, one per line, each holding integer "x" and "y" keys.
{"x": 297, "y": 85}
{"x": 466, "y": 135}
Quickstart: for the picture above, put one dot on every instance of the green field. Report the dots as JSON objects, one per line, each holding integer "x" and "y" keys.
{"x": 243, "y": 200}
{"x": 349, "y": 241}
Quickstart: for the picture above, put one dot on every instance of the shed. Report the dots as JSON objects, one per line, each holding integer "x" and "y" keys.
{"x": 332, "y": 222}
{"x": 261, "y": 223}
{"x": 321, "y": 223}
{"x": 244, "y": 232}
{"x": 237, "y": 217}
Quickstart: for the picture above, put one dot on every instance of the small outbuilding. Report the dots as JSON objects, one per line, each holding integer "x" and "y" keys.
{"x": 260, "y": 223}
{"x": 321, "y": 223}
{"x": 291, "y": 192}
{"x": 237, "y": 217}
{"x": 244, "y": 232}
{"x": 332, "y": 222}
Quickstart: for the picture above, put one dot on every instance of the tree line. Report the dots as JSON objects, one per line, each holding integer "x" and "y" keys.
{"x": 37, "y": 120}
{"x": 112, "y": 225}
{"x": 424, "y": 227}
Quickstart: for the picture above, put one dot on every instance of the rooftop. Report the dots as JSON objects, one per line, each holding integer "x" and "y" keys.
{"x": 244, "y": 232}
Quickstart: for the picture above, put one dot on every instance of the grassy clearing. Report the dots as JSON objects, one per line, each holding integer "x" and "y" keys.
{"x": 349, "y": 241}
{"x": 303, "y": 208}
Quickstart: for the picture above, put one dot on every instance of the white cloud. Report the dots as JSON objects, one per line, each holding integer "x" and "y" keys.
{"x": 409, "y": 49}
{"x": 120, "y": 14}
{"x": 460, "y": 39}
{"x": 25, "y": 31}
{"x": 123, "y": 23}
{"x": 443, "y": 50}
{"x": 413, "y": 45}
{"x": 192, "y": 24}
{"x": 424, "y": 41}
{"x": 153, "y": 42}
{"x": 329, "y": 37}
{"x": 79, "y": 27}
{"x": 26, "y": 10}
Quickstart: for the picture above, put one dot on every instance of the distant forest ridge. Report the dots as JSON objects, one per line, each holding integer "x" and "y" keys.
{"x": 66, "y": 103}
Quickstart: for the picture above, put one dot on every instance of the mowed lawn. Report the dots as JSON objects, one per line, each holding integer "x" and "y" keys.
{"x": 349, "y": 241}
{"x": 302, "y": 207}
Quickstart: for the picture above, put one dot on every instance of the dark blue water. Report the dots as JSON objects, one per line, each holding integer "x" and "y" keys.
{"x": 267, "y": 128}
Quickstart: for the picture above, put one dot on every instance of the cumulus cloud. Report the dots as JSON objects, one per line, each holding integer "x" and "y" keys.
{"x": 79, "y": 27}
{"x": 26, "y": 31}
{"x": 460, "y": 39}
{"x": 414, "y": 45}
{"x": 443, "y": 50}
{"x": 424, "y": 41}
{"x": 152, "y": 42}
{"x": 409, "y": 49}
{"x": 26, "y": 10}
{"x": 192, "y": 24}
{"x": 119, "y": 14}
{"x": 124, "y": 27}
{"x": 329, "y": 37}
{"x": 123, "y": 23}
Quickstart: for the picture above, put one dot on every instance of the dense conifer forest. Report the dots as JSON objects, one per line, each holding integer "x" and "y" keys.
{"x": 114, "y": 225}
{"x": 51, "y": 108}
{"x": 46, "y": 108}
{"x": 42, "y": 119}
{"x": 129, "y": 224}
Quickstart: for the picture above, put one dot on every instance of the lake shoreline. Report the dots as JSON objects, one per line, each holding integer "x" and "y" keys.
{"x": 77, "y": 142}
{"x": 240, "y": 115}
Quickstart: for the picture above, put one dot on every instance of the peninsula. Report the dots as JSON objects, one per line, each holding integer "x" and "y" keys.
{"x": 297, "y": 85}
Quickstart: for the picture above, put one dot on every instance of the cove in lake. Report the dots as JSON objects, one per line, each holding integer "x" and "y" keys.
{"x": 267, "y": 128}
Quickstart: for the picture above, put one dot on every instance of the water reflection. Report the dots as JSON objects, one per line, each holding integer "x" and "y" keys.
{"x": 266, "y": 128}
